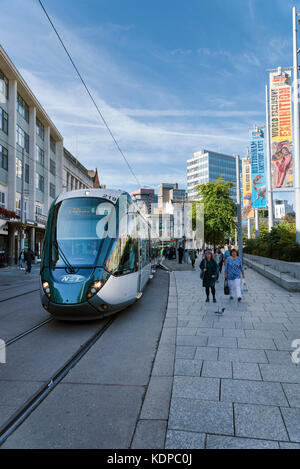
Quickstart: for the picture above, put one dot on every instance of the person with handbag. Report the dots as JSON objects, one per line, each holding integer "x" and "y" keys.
{"x": 209, "y": 274}
{"x": 234, "y": 270}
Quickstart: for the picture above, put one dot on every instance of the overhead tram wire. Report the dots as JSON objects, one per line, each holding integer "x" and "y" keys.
{"x": 90, "y": 94}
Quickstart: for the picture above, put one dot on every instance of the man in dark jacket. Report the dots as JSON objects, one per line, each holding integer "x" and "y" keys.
{"x": 29, "y": 257}
{"x": 180, "y": 254}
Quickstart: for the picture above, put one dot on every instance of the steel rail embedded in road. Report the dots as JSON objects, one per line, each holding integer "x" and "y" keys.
{"x": 27, "y": 332}
{"x": 21, "y": 294}
{"x": 21, "y": 415}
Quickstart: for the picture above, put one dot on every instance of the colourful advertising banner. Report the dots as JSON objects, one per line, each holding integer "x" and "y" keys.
{"x": 281, "y": 129}
{"x": 247, "y": 211}
{"x": 258, "y": 173}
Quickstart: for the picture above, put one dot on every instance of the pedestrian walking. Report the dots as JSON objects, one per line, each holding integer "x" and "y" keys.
{"x": 227, "y": 253}
{"x": 22, "y": 259}
{"x": 234, "y": 270}
{"x": 180, "y": 254}
{"x": 29, "y": 257}
{"x": 219, "y": 258}
{"x": 209, "y": 274}
{"x": 193, "y": 255}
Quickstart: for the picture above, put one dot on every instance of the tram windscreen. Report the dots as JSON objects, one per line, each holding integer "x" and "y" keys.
{"x": 78, "y": 230}
{"x": 86, "y": 232}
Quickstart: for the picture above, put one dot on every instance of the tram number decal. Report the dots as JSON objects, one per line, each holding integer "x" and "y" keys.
{"x": 110, "y": 197}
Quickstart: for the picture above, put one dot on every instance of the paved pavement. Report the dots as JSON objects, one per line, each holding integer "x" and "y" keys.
{"x": 235, "y": 385}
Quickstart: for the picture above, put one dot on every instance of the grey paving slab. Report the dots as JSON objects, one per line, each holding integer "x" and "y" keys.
{"x": 149, "y": 434}
{"x": 282, "y": 373}
{"x": 157, "y": 399}
{"x": 164, "y": 361}
{"x": 184, "y": 440}
{"x": 256, "y": 344}
{"x": 209, "y": 331}
{"x": 234, "y": 333}
{"x": 279, "y": 357}
{"x": 246, "y": 371}
{"x": 229, "y": 342}
{"x": 259, "y": 334}
{"x": 292, "y": 392}
{"x": 252, "y": 392}
{"x": 185, "y": 351}
{"x": 168, "y": 336}
{"x": 170, "y": 322}
{"x": 201, "y": 416}
{"x": 206, "y": 353}
{"x": 216, "y": 369}
{"x": 196, "y": 341}
{"x": 259, "y": 421}
{"x": 283, "y": 344}
{"x": 292, "y": 421}
{"x": 242, "y": 355}
{"x": 284, "y": 445}
{"x": 187, "y": 367}
{"x": 227, "y": 442}
{"x": 192, "y": 387}
{"x": 186, "y": 331}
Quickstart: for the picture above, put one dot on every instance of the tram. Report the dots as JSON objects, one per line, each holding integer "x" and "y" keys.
{"x": 96, "y": 255}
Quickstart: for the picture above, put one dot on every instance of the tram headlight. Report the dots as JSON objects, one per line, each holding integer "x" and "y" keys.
{"x": 94, "y": 288}
{"x": 46, "y": 288}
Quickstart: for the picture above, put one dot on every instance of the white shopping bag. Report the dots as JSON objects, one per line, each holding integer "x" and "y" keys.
{"x": 244, "y": 287}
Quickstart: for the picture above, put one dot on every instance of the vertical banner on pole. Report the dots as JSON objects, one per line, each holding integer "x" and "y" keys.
{"x": 281, "y": 129}
{"x": 248, "y": 211}
{"x": 258, "y": 172}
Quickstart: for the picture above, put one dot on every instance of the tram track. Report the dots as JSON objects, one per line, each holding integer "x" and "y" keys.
{"x": 27, "y": 332}
{"x": 37, "y": 398}
{"x": 17, "y": 296}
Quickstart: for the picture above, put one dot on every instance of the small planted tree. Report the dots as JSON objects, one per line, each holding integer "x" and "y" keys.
{"x": 219, "y": 210}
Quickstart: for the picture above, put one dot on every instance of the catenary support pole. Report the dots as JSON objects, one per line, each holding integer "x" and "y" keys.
{"x": 22, "y": 200}
{"x": 238, "y": 206}
{"x": 296, "y": 126}
{"x": 269, "y": 175}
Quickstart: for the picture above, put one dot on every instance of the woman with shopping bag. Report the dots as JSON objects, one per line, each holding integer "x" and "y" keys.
{"x": 209, "y": 273}
{"x": 234, "y": 270}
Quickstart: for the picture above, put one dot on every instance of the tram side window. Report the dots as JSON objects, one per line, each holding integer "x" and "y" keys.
{"x": 145, "y": 245}
{"x": 124, "y": 258}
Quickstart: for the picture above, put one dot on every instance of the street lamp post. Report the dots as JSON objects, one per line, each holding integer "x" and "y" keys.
{"x": 296, "y": 126}
{"x": 22, "y": 201}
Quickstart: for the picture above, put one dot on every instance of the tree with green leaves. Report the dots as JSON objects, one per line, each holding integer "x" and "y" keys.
{"x": 219, "y": 210}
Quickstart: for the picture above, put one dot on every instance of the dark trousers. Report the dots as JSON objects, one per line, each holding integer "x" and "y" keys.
{"x": 220, "y": 266}
{"x": 28, "y": 266}
{"x": 180, "y": 258}
{"x": 213, "y": 290}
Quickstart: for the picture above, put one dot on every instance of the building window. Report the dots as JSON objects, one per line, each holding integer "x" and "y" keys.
{"x": 22, "y": 139}
{"x": 27, "y": 173}
{"x": 38, "y": 210}
{"x": 39, "y": 182}
{"x": 22, "y": 108}
{"x": 18, "y": 207}
{"x": 3, "y": 85}
{"x": 40, "y": 131}
{"x": 40, "y": 155}
{"x": 52, "y": 167}
{"x": 52, "y": 145}
{"x": 18, "y": 168}
{"x": 52, "y": 190}
{"x": 2, "y": 199}
{"x": 3, "y": 121}
{"x": 3, "y": 158}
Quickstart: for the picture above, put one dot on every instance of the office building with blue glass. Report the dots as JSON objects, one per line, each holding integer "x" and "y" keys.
{"x": 207, "y": 166}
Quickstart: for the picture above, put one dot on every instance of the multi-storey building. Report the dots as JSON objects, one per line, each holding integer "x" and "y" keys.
{"x": 76, "y": 176}
{"x": 282, "y": 208}
{"x": 206, "y": 166}
{"x": 33, "y": 162}
{"x": 144, "y": 198}
{"x": 28, "y": 139}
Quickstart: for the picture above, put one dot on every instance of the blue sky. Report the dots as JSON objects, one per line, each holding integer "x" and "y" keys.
{"x": 171, "y": 76}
